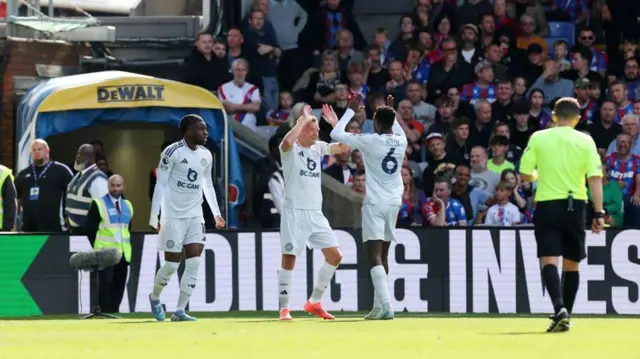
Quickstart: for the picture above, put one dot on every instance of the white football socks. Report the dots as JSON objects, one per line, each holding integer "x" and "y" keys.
{"x": 188, "y": 282}
{"x": 325, "y": 274}
{"x": 163, "y": 276}
{"x": 284, "y": 287}
{"x": 379, "y": 278}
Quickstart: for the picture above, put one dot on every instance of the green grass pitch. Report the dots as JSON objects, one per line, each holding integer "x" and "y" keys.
{"x": 261, "y": 335}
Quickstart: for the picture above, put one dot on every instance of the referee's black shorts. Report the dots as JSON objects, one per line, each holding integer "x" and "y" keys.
{"x": 560, "y": 232}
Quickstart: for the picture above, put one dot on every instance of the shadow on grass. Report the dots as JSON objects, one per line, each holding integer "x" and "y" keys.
{"x": 517, "y": 333}
{"x": 129, "y": 321}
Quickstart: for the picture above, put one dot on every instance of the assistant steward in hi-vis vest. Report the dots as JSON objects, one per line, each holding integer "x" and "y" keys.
{"x": 88, "y": 184}
{"x": 8, "y": 204}
{"x": 107, "y": 225}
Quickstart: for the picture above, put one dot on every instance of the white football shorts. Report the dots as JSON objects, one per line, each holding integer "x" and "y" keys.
{"x": 379, "y": 222}
{"x": 300, "y": 227}
{"x": 176, "y": 233}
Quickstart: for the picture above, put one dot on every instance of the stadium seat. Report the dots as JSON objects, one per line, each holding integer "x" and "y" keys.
{"x": 563, "y": 29}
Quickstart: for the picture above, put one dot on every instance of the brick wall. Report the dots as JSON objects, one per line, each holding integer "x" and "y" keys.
{"x": 19, "y": 59}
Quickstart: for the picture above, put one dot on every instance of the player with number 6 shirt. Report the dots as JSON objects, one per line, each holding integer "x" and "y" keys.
{"x": 383, "y": 152}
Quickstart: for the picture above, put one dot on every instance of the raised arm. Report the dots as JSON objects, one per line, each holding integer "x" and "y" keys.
{"x": 338, "y": 133}
{"x": 292, "y": 136}
{"x": 397, "y": 127}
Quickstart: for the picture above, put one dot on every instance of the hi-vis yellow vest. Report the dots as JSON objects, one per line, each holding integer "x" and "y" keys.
{"x": 112, "y": 223}
{"x": 4, "y": 173}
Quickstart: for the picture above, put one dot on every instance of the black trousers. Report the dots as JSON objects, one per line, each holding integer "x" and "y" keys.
{"x": 112, "y": 284}
{"x": 78, "y": 231}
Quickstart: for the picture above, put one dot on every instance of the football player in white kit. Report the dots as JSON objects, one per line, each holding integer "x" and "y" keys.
{"x": 184, "y": 174}
{"x": 302, "y": 221}
{"x": 383, "y": 152}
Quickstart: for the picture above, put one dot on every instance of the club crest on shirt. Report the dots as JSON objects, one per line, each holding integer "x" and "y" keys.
{"x": 203, "y": 162}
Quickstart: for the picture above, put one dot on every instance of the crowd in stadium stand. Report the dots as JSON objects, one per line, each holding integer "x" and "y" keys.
{"x": 472, "y": 81}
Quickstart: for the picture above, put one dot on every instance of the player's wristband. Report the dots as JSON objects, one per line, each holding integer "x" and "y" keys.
{"x": 598, "y": 215}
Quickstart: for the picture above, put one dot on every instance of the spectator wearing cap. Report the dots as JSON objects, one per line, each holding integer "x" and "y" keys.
{"x": 533, "y": 65}
{"x": 513, "y": 152}
{"x": 523, "y": 125}
{"x": 449, "y": 72}
{"x": 502, "y": 108}
{"x": 527, "y": 34}
{"x": 483, "y": 87}
{"x": 469, "y": 49}
{"x": 439, "y": 163}
{"x": 458, "y": 144}
{"x": 469, "y": 12}
{"x": 619, "y": 95}
{"x": 551, "y": 84}
{"x": 580, "y": 60}
{"x": 493, "y": 55}
{"x": 605, "y": 129}
{"x": 498, "y": 161}
{"x": 588, "y": 106}
{"x": 445, "y": 117}
{"x": 481, "y": 129}
{"x": 630, "y": 125}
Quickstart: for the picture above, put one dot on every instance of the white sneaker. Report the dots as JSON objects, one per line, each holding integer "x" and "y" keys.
{"x": 373, "y": 313}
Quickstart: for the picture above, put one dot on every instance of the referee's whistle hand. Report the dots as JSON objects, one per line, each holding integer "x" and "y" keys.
{"x": 597, "y": 225}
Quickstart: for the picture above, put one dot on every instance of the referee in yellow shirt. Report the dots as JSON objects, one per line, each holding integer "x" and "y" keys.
{"x": 560, "y": 158}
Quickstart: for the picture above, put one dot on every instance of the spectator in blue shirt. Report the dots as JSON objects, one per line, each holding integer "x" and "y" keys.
{"x": 472, "y": 198}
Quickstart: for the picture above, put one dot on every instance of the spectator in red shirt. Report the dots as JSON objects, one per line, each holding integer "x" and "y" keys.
{"x": 442, "y": 210}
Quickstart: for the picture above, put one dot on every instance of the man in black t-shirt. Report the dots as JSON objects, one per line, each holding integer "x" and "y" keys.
{"x": 40, "y": 190}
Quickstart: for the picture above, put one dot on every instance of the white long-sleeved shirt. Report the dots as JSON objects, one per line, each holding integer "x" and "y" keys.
{"x": 183, "y": 176}
{"x": 382, "y": 155}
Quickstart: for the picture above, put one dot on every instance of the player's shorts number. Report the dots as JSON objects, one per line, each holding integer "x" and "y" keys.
{"x": 390, "y": 163}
